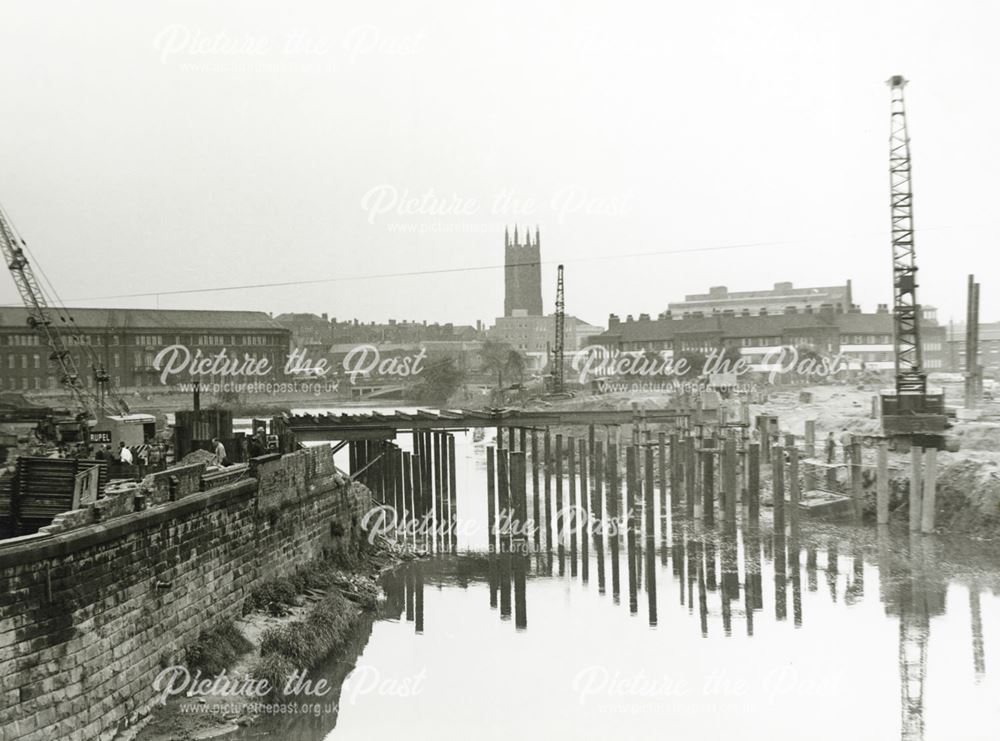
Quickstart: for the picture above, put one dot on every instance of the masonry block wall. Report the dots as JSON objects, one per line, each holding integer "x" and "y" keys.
{"x": 95, "y": 605}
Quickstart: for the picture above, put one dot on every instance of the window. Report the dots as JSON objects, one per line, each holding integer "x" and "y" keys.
{"x": 37, "y": 360}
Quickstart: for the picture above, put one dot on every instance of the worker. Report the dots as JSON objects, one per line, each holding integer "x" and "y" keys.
{"x": 254, "y": 448}
{"x": 220, "y": 452}
{"x": 124, "y": 454}
{"x": 846, "y": 440}
{"x": 831, "y": 448}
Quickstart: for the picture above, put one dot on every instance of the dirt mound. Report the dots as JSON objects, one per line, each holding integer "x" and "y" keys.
{"x": 968, "y": 497}
{"x": 198, "y": 456}
{"x": 978, "y": 437}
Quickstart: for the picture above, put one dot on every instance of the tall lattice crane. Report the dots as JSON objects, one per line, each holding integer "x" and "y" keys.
{"x": 910, "y": 376}
{"x": 559, "y": 352}
{"x": 911, "y": 410}
{"x": 42, "y": 319}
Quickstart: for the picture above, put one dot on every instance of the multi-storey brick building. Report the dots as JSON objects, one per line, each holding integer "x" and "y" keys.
{"x": 127, "y": 341}
{"x": 535, "y": 335}
{"x": 989, "y": 348}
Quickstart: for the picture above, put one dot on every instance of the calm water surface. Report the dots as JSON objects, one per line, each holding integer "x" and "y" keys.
{"x": 841, "y": 633}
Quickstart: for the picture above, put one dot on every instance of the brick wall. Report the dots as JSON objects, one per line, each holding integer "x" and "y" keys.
{"x": 95, "y": 605}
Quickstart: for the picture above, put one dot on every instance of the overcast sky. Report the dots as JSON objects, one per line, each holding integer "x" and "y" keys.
{"x": 165, "y": 146}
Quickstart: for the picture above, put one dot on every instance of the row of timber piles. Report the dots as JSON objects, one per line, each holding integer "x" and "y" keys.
{"x": 576, "y": 484}
{"x": 546, "y": 490}
{"x": 419, "y": 486}
{"x": 552, "y": 492}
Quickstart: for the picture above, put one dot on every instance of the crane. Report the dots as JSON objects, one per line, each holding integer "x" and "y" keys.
{"x": 910, "y": 410}
{"x": 41, "y": 318}
{"x": 559, "y": 352}
{"x": 911, "y": 413}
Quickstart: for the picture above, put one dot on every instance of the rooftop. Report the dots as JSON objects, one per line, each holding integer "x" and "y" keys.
{"x": 153, "y": 319}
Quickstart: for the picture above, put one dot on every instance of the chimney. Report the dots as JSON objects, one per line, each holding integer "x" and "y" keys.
{"x": 644, "y": 317}
{"x": 784, "y": 286}
{"x": 809, "y": 309}
{"x": 728, "y": 313}
{"x": 745, "y": 312}
{"x": 763, "y": 312}
{"x": 613, "y": 321}
{"x": 698, "y": 314}
{"x": 791, "y": 310}
{"x": 882, "y": 309}
{"x": 629, "y": 319}
{"x": 325, "y": 317}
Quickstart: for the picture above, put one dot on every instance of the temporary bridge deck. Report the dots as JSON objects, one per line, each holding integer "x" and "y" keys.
{"x": 376, "y": 426}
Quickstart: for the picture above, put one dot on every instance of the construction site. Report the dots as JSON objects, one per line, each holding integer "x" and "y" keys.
{"x": 714, "y": 541}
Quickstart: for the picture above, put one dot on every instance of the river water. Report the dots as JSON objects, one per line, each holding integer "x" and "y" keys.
{"x": 843, "y": 632}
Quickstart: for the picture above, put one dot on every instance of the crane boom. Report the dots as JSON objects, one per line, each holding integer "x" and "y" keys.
{"x": 41, "y": 320}
{"x": 910, "y": 375}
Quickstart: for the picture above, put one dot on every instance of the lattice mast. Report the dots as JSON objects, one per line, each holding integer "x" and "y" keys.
{"x": 40, "y": 315}
{"x": 910, "y": 375}
{"x": 559, "y": 351}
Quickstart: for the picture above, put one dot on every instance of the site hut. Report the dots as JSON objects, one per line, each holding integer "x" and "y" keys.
{"x": 131, "y": 429}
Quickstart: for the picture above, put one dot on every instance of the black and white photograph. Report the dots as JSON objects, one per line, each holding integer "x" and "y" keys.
{"x": 443, "y": 370}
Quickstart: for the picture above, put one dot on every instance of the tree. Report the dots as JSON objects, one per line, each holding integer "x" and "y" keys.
{"x": 808, "y": 361}
{"x": 500, "y": 359}
{"x": 731, "y": 356}
{"x": 649, "y": 363}
{"x": 694, "y": 363}
{"x": 438, "y": 382}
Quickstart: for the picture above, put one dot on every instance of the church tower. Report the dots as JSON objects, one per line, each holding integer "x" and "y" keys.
{"x": 522, "y": 274}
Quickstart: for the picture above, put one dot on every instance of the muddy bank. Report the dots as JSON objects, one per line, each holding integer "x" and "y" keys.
{"x": 289, "y": 626}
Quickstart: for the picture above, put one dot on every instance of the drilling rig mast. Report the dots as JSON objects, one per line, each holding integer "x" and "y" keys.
{"x": 559, "y": 352}
{"x": 910, "y": 410}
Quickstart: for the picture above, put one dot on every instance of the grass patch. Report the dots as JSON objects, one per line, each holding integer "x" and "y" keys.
{"x": 302, "y": 643}
{"x": 320, "y": 574}
{"x": 217, "y": 649}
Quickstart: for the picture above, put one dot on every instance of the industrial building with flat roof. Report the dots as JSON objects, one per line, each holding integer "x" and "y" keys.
{"x": 774, "y": 301}
{"x": 126, "y": 341}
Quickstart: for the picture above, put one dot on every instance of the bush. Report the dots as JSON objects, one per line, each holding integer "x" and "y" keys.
{"x": 217, "y": 649}
{"x": 301, "y": 644}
